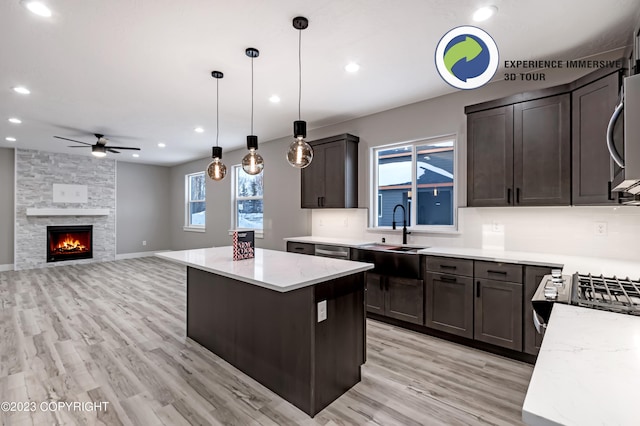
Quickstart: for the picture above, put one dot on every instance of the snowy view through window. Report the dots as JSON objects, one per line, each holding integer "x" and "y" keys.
{"x": 196, "y": 204}
{"x": 249, "y": 204}
{"x": 431, "y": 192}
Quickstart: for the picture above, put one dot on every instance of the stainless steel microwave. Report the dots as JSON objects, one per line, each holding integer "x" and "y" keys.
{"x": 625, "y": 151}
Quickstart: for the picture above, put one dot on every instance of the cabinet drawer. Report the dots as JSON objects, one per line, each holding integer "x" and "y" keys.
{"x": 450, "y": 265}
{"x": 302, "y": 248}
{"x": 498, "y": 271}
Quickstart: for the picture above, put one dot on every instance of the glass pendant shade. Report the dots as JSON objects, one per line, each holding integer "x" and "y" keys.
{"x": 252, "y": 163}
{"x": 216, "y": 169}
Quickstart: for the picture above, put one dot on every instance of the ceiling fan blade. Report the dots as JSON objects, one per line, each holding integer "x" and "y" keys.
{"x": 72, "y": 140}
{"x": 75, "y": 146}
{"x": 124, "y": 147}
{"x": 113, "y": 150}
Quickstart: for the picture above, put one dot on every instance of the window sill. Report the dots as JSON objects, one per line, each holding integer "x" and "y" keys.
{"x": 415, "y": 231}
{"x": 258, "y": 233}
{"x": 193, "y": 229}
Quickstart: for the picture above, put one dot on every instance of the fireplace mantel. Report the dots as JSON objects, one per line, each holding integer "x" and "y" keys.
{"x": 66, "y": 212}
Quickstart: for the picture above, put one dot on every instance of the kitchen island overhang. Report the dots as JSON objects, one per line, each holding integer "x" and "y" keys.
{"x": 261, "y": 316}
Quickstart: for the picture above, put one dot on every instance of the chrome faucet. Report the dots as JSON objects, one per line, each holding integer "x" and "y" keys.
{"x": 404, "y": 222}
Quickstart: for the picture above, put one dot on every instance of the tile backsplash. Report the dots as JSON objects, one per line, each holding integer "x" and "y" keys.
{"x": 610, "y": 232}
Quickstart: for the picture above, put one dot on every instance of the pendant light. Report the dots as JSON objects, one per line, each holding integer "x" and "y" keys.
{"x": 252, "y": 163}
{"x": 216, "y": 169}
{"x": 300, "y": 153}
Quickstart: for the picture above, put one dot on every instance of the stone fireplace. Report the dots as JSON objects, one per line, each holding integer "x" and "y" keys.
{"x": 70, "y": 242}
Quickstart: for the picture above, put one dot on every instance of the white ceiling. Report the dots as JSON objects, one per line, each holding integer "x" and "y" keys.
{"x": 139, "y": 71}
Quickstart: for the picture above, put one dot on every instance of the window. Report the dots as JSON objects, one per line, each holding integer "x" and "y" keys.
{"x": 247, "y": 203}
{"x": 195, "y": 201}
{"x": 420, "y": 177}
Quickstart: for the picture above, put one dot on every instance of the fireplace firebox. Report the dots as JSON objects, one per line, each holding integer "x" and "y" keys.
{"x": 69, "y": 242}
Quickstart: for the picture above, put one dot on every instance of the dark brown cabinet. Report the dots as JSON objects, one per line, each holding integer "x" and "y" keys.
{"x": 448, "y": 299}
{"x": 519, "y": 155}
{"x": 542, "y": 152}
{"x": 490, "y": 157}
{"x": 592, "y": 106}
{"x": 532, "y": 277}
{"x": 498, "y": 304}
{"x": 395, "y": 297}
{"x": 449, "y": 304}
{"x": 331, "y": 180}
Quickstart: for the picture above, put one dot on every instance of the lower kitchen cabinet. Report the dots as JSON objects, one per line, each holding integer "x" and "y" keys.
{"x": 532, "y": 278}
{"x": 498, "y": 313}
{"x": 449, "y": 304}
{"x": 375, "y": 293}
{"x": 395, "y": 297}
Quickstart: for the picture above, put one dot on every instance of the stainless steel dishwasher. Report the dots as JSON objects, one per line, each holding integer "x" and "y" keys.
{"x": 337, "y": 252}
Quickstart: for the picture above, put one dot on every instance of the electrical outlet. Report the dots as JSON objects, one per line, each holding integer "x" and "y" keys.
{"x": 144, "y": 243}
{"x": 600, "y": 228}
{"x": 495, "y": 226}
{"x": 322, "y": 311}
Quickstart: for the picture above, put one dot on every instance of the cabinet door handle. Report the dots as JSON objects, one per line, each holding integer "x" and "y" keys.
{"x": 298, "y": 248}
{"x": 491, "y": 271}
{"x": 477, "y": 288}
{"x": 448, "y": 267}
{"x": 517, "y": 195}
{"x": 508, "y": 195}
{"x": 448, "y": 279}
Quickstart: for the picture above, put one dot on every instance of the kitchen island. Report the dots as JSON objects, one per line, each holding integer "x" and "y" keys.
{"x": 294, "y": 323}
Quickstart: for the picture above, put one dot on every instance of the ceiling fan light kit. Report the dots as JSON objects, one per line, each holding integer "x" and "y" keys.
{"x": 300, "y": 153}
{"x": 252, "y": 163}
{"x": 216, "y": 170}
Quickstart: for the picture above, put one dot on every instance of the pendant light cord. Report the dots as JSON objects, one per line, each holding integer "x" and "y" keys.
{"x": 299, "y": 72}
{"x": 217, "y": 109}
{"x": 252, "y": 95}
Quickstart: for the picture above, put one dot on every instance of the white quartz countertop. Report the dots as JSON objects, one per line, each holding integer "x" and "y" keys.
{"x": 276, "y": 270}
{"x": 588, "y": 370}
{"x": 345, "y": 242}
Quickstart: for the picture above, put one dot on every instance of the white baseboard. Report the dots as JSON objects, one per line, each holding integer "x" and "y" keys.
{"x": 7, "y": 267}
{"x": 138, "y": 254}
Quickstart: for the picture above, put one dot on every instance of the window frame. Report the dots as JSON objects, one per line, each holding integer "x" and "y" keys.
{"x": 412, "y": 213}
{"x": 188, "y": 226}
{"x": 258, "y": 232}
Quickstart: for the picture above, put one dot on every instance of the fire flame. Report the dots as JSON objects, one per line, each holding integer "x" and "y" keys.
{"x": 69, "y": 244}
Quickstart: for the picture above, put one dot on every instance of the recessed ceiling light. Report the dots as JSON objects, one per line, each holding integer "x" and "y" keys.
{"x": 135, "y": 155}
{"x": 162, "y": 145}
{"x": 37, "y": 7}
{"x": 484, "y": 13}
{"x": 15, "y": 120}
{"x": 22, "y": 90}
{"x": 10, "y": 139}
{"x": 274, "y": 99}
{"x": 198, "y": 130}
{"x": 352, "y": 67}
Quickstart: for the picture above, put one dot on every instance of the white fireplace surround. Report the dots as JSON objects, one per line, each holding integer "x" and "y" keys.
{"x": 66, "y": 212}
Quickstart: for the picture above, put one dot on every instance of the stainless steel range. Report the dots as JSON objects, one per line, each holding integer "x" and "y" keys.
{"x": 597, "y": 292}
{"x": 610, "y": 294}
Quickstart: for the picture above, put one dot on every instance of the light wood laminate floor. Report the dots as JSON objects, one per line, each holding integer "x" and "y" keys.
{"x": 115, "y": 332}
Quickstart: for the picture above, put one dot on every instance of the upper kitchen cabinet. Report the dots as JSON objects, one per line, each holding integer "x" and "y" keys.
{"x": 592, "y": 106}
{"x": 519, "y": 154}
{"x": 542, "y": 152}
{"x": 331, "y": 180}
{"x": 490, "y": 157}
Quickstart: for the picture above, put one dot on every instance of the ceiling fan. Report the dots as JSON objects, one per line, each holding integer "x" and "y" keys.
{"x": 100, "y": 148}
